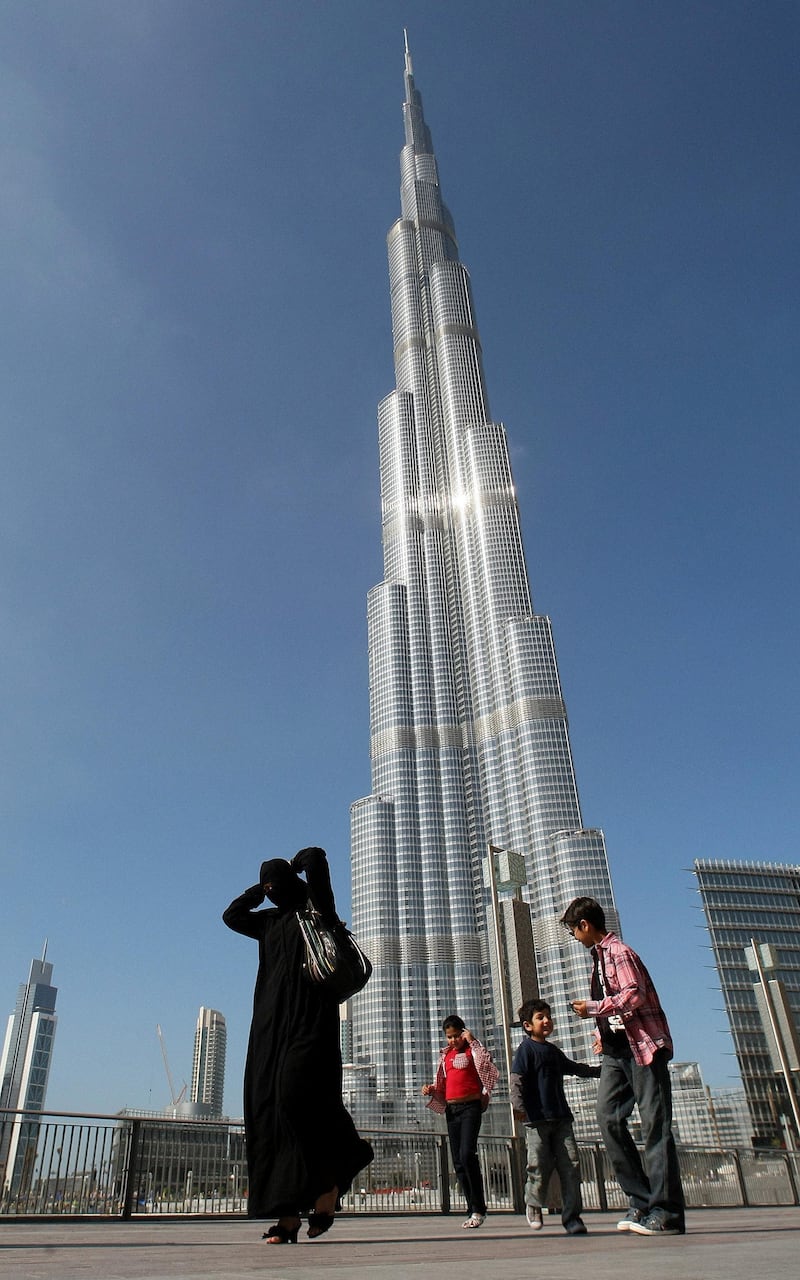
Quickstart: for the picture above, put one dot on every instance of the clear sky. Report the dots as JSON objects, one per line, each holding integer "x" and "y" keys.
{"x": 195, "y": 335}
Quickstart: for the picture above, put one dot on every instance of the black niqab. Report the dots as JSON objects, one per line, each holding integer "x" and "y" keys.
{"x": 282, "y": 885}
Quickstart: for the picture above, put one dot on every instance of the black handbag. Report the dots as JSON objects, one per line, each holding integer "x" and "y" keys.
{"x": 334, "y": 960}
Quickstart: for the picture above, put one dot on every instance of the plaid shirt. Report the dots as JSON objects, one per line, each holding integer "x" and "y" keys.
{"x": 631, "y": 994}
{"x": 484, "y": 1065}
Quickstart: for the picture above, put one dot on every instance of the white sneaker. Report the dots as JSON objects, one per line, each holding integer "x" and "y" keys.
{"x": 632, "y": 1217}
{"x": 533, "y": 1217}
{"x": 656, "y": 1225}
{"x": 474, "y": 1221}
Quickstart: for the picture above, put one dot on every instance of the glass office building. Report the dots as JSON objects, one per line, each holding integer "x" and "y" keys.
{"x": 24, "y": 1072}
{"x": 757, "y": 901}
{"x": 469, "y": 737}
{"x": 730, "y": 1118}
{"x": 692, "y": 1110}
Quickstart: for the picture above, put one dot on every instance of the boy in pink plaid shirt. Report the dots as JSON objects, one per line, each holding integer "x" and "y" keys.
{"x": 634, "y": 1039}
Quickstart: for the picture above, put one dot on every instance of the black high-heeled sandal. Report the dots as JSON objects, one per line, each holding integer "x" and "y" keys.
{"x": 286, "y": 1235}
{"x": 319, "y": 1223}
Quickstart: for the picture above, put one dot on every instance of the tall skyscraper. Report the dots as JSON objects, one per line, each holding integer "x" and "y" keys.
{"x": 758, "y": 901}
{"x": 469, "y": 738}
{"x": 24, "y": 1071}
{"x": 208, "y": 1064}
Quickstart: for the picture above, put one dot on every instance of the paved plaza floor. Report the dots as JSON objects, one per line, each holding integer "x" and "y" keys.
{"x": 720, "y": 1244}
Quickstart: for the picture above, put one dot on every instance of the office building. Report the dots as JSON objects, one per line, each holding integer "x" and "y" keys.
{"x": 208, "y": 1064}
{"x": 730, "y": 1118}
{"x": 746, "y": 902}
{"x": 692, "y": 1111}
{"x": 346, "y": 1032}
{"x": 24, "y": 1071}
{"x": 178, "y": 1163}
{"x": 469, "y": 741}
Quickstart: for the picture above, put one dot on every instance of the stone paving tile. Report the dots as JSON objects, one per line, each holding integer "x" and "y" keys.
{"x": 732, "y": 1244}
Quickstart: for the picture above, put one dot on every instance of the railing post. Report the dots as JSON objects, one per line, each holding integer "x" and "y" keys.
{"x": 519, "y": 1172}
{"x": 741, "y": 1180}
{"x": 444, "y": 1175}
{"x": 600, "y": 1177}
{"x": 131, "y": 1171}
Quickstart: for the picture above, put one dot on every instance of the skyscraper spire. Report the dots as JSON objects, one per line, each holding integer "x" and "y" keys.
{"x": 469, "y": 740}
{"x": 417, "y": 133}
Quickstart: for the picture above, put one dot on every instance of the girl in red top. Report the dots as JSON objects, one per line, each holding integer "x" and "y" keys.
{"x": 465, "y": 1078}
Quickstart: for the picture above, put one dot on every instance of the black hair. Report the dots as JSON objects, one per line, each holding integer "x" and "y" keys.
{"x": 530, "y": 1007}
{"x": 453, "y": 1020}
{"x": 584, "y": 909}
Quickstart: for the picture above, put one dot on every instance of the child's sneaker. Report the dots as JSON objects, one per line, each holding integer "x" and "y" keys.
{"x": 533, "y": 1217}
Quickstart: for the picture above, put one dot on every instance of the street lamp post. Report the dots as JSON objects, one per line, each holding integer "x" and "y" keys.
{"x": 501, "y": 976}
{"x": 755, "y": 950}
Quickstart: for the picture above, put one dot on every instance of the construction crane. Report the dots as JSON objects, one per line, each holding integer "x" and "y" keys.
{"x": 182, "y": 1094}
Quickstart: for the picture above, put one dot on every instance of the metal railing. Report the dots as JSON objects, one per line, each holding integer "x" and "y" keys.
{"x": 69, "y": 1165}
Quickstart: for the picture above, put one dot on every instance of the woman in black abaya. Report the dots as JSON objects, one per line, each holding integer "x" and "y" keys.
{"x": 303, "y": 1150}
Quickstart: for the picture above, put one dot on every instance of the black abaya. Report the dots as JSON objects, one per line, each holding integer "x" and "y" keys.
{"x": 301, "y": 1141}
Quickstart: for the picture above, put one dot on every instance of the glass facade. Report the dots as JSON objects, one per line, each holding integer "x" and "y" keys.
{"x": 745, "y": 901}
{"x": 24, "y": 1071}
{"x": 730, "y": 1118}
{"x": 469, "y": 736}
{"x": 692, "y": 1110}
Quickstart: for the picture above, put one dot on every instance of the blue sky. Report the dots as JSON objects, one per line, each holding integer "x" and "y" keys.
{"x": 195, "y": 336}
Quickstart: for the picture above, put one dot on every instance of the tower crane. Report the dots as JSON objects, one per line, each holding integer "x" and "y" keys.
{"x": 182, "y": 1094}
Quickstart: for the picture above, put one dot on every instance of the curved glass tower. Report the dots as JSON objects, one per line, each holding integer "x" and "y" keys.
{"x": 469, "y": 737}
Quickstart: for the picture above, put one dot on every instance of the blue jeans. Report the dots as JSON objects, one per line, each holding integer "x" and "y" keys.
{"x": 551, "y": 1145}
{"x": 463, "y": 1127}
{"x": 654, "y": 1187}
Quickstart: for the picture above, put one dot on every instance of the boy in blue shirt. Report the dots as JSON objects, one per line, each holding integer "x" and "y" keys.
{"x": 537, "y": 1095}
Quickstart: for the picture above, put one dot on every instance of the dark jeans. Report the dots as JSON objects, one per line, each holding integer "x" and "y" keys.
{"x": 463, "y": 1127}
{"x": 656, "y": 1186}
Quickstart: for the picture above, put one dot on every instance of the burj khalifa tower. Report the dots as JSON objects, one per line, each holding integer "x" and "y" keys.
{"x": 469, "y": 739}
